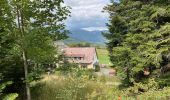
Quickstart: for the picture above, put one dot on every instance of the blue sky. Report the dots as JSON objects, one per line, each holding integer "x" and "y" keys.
{"x": 87, "y": 15}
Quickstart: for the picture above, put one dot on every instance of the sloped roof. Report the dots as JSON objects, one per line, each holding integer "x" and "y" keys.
{"x": 86, "y": 52}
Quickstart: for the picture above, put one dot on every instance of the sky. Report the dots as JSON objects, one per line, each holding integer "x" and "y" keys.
{"x": 87, "y": 15}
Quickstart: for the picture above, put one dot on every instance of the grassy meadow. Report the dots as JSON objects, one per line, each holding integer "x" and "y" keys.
{"x": 84, "y": 87}
{"x": 103, "y": 56}
{"x": 73, "y": 87}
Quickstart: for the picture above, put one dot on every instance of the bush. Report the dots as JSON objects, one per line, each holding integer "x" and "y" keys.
{"x": 67, "y": 67}
{"x": 148, "y": 85}
{"x": 4, "y": 96}
{"x": 97, "y": 68}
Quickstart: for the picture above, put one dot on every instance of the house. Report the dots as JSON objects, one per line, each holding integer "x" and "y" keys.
{"x": 84, "y": 56}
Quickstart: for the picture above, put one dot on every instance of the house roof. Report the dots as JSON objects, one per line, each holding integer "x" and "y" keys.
{"x": 86, "y": 52}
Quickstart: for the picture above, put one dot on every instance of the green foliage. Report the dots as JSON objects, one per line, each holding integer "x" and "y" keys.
{"x": 67, "y": 67}
{"x": 138, "y": 36}
{"x": 29, "y": 27}
{"x": 81, "y": 44}
{"x": 3, "y": 86}
{"x": 147, "y": 85}
{"x": 156, "y": 95}
{"x": 97, "y": 68}
{"x": 11, "y": 96}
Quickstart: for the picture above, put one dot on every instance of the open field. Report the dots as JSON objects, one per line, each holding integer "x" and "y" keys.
{"x": 103, "y": 56}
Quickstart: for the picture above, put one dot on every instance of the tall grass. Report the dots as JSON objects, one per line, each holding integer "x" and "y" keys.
{"x": 73, "y": 87}
{"x": 70, "y": 88}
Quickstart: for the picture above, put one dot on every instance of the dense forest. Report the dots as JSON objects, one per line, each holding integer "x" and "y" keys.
{"x": 138, "y": 45}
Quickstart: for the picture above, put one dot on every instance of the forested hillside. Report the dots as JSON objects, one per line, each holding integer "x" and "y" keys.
{"x": 79, "y": 35}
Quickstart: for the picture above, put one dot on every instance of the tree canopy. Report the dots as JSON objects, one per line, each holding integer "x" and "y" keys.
{"x": 28, "y": 29}
{"x": 139, "y": 36}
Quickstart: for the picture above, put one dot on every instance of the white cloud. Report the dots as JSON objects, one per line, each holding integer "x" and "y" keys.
{"x": 87, "y": 9}
{"x": 90, "y": 29}
{"x": 86, "y": 13}
{"x": 85, "y": 2}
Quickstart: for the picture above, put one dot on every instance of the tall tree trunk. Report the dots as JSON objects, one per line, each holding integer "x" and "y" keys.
{"x": 21, "y": 28}
{"x": 28, "y": 94}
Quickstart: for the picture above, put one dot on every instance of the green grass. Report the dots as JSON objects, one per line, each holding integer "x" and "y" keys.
{"x": 103, "y": 56}
{"x": 55, "y": 87}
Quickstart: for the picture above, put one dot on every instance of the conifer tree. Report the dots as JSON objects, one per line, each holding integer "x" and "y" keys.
{"x": 140, "y": 27}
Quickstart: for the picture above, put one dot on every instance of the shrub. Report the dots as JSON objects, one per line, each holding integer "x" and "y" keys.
{"x": 148, "y": 85}
{"x": 4, "y": 96}
{"x": 97, "y": 68}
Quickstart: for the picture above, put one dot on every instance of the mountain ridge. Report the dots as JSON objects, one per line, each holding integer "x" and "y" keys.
{"x": 79, "y": 35}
